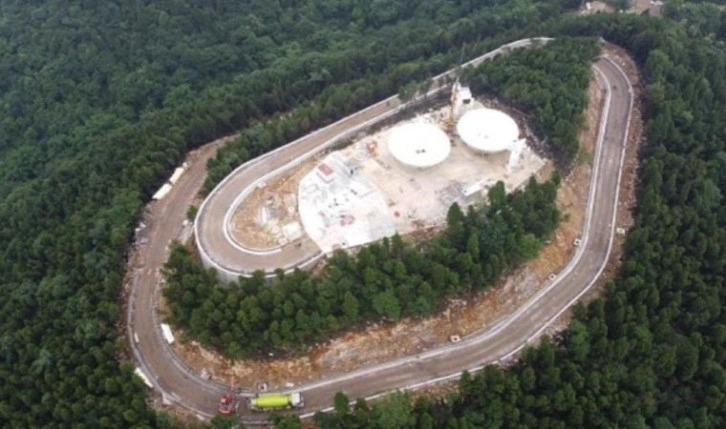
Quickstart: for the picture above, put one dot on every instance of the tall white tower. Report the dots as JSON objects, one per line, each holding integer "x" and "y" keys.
{"x": 460, "y": 96}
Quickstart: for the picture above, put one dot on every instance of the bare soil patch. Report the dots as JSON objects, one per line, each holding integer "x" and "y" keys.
{"x": 278, "y": 198}
{"x": 653, "y": 8}
{"x": 596, "y": 6}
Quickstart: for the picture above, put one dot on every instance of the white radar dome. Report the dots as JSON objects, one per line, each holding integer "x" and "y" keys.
{"x": 418, "y": 144}
{"x": 487, "y": 130}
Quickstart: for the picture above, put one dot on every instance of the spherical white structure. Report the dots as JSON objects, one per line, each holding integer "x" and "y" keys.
{"x": 487, "y": 130}
{"x": 418, "y": 144}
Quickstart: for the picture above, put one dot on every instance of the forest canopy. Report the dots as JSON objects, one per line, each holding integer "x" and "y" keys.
{"x": 100, "y": 100}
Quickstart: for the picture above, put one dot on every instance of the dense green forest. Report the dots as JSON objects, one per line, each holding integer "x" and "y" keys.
{"x": 651, "y": 353}
{"x": 706, "y": 19}
{"x": 386, "y": 280}
{"x": 100, "y": 100}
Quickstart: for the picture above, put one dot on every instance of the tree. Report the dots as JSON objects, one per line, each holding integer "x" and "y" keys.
{"x": 497, "y": 196}
{"x": 232, "y": 422}
{"x": 286, "y": 421}
{"x": 394, "y": 412}
{"x": 340, "y": 404}
{"x": 350, "y": 307}
{"x": 386, "y": 304}
{"x": 455, "y": 225}
{"x": 408, "y": 92}
{"x": 192, "y": 213}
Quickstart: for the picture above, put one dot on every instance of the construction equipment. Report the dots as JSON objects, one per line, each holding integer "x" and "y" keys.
{"x": 460, "y": 97}
{"x": 454, "y": 101}
{"x": 459, "y": 94}
{"x": 275, "y": 401}
{"x": 227, "y": 403}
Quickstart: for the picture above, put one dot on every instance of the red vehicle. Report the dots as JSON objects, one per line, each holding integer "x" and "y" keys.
{"x": 227, "y": 404}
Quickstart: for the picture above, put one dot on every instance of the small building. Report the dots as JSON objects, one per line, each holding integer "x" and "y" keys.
{"x": 325, "y": 172}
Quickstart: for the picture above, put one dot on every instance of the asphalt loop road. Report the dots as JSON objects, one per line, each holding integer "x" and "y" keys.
{"x": 184, "y": 388}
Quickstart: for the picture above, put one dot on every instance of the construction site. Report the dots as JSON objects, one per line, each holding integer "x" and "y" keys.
{"x": 400, "y": 179}
{"x": 482, "y": 143}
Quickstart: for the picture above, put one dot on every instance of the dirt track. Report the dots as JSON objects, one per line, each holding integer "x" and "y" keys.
{"x": 190, "y": 391}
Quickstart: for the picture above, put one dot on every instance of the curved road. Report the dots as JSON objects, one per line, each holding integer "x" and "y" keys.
{"x": 181, "y": 386}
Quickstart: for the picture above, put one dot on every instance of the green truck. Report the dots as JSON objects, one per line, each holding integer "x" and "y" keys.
{"x": 275, "y": 401}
